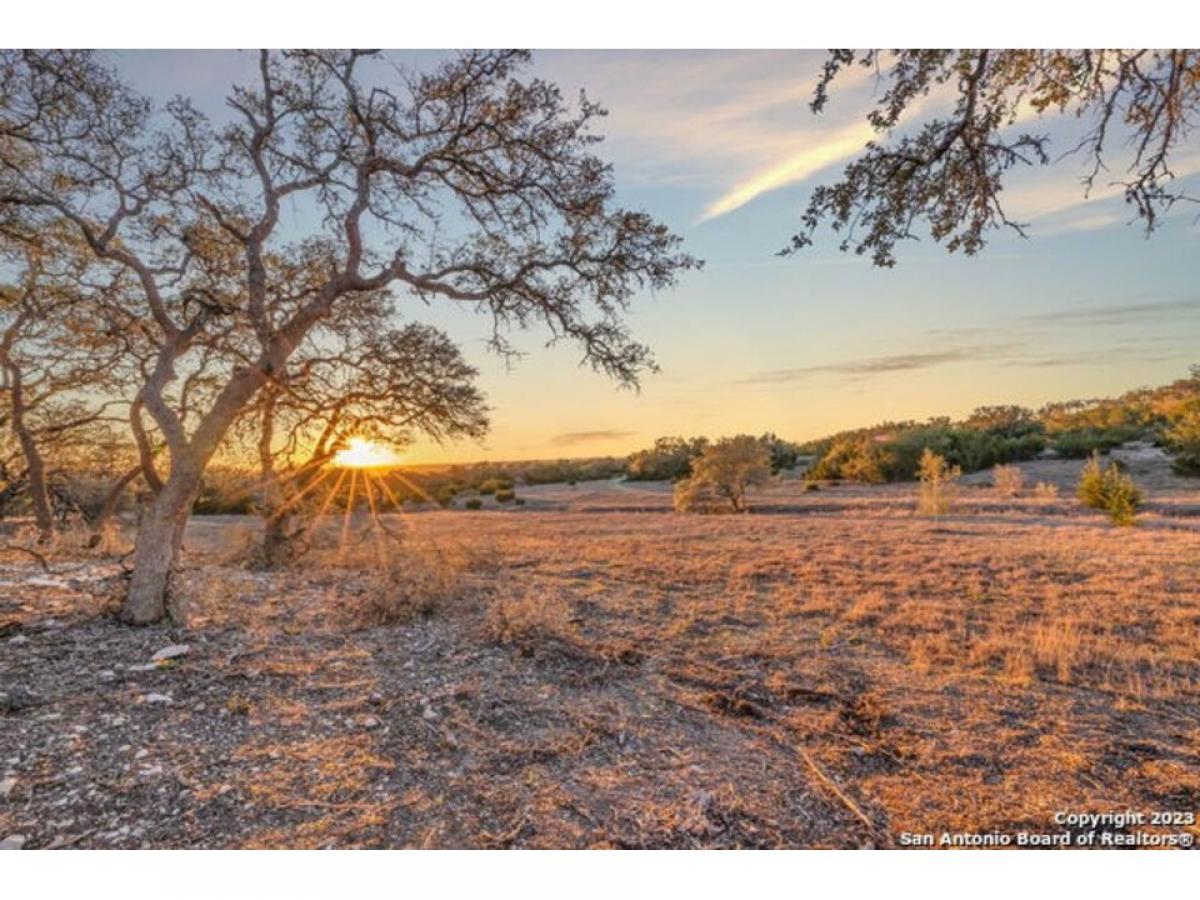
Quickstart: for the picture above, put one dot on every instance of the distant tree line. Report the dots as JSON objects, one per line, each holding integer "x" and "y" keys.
{"x": 1167, "y": 416}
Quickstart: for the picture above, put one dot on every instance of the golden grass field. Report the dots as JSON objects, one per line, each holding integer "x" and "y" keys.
{"x": 593, "y": 670}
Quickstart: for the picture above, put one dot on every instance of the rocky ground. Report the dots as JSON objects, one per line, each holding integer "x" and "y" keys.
{"x": 595, "y": 671}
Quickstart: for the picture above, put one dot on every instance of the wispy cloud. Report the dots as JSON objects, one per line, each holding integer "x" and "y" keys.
{"x": 877, "y": 365}
{"x": 819, "y": 154}
{"x": 574, "y": 438}
{"x": 735, "y": 124}
{"x": 1053, "y": 202}
{"x": 1118, "y": 312}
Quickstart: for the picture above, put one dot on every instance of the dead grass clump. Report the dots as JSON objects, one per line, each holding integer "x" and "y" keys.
{"x": 1057, "y": 647}
{"x": 1045, "y": 491}
{"x": 526, "y": 619}
{"x": 868, "y": 609}
{"x": 1008, "y": 480}
{"x": 939, "y": 485}
{"x": 412, "y": 581}
{"x": 75, "y": 541}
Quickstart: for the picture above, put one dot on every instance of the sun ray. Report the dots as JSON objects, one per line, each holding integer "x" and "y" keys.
{"x": 391, "y": 496}
{"x": 333, "y": 492}
{"x": 400, "y": 512}
{"x": 309, "y": 488}
{"x": 416, "y": 488}
{"x": 349, "y": 512}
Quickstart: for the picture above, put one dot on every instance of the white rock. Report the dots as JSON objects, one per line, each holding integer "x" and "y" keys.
{"x": 156, "y": 698}
{"x": 18, "y": 640}
{"x": 141, "y": 754}
{"x": 171, "y": 652}
{"x": 6, "y": 787}
{"x": 13, "y": 842}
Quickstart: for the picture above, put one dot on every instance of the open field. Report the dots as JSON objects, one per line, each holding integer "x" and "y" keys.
{"x": 594, "y": 670}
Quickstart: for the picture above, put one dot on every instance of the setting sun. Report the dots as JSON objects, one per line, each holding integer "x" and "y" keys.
{"x": 365, "y": 454}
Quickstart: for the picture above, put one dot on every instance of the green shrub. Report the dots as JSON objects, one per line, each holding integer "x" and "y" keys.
{"x": 572, "y": 471}
{"x": 492, "y": 485}
{"x": 1086, "y": 441}
{"x": 670, "y": 459}
{"x": 1109, "y": 489}
{"x": 1123, "y": 501}
{"x": 474, "y": 503}
{"x": 784, "y": 454}
{"x": 1183, "y": 438}
{"x": 505, "y": 496}
{"x": 892, "y": 452}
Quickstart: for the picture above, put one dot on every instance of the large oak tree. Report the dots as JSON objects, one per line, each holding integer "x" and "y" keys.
{"x": 472, "y": 183}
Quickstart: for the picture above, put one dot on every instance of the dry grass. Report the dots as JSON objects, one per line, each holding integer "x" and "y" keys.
{"x": 1008, "y": 480}
{"x": 1045, "y": 491}
{"x": 74, "y": 542}
{"x": 597, "y": 671}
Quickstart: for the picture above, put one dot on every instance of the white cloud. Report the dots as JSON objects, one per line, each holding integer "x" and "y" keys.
{"x": 732, "y": 123}
{"x": 819, "y": 154}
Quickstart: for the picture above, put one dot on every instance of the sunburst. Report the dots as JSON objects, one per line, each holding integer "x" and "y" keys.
{"x": 361, "y": 453}
{"x": 362, "y": 468}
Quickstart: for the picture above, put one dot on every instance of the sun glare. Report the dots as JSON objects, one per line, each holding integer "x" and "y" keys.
{"x": 364, "y": 454}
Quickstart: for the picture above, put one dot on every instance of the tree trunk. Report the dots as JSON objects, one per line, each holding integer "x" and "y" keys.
{"x": 277, "y": 544}
{"x": 159, "y": 539}
{"x": 39, "y": 495}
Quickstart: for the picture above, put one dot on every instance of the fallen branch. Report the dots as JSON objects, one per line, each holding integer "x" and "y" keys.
{"x": 832, "y": 785}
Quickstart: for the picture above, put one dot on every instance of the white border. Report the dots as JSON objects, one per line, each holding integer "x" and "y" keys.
{"x": 583, "y": 875}
{"x": 612, "y": 876}
{"x": 642, "y": 24}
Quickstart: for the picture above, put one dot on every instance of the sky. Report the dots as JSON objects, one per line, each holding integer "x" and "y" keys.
{"x": 723, "y": 148}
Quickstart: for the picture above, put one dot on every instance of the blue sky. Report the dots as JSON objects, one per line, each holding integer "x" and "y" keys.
{"x": 722, "y": 146}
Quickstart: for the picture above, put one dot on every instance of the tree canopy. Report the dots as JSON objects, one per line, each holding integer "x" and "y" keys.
{"x": 948, "y": 173}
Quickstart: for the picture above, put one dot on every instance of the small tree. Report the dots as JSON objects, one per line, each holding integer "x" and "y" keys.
{"x": 722, "y": 475}
{"x": 938, "y": 487}
{"x": 1090, "y": 489}
{"x": 1109, "y": 489}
